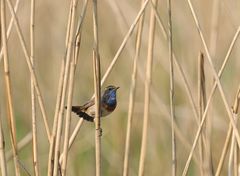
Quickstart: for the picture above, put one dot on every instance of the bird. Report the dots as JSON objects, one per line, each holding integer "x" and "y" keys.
{"x": 108, "y": 105}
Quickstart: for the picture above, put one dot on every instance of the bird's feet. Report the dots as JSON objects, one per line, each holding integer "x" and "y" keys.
{"x": 99, "y": 130}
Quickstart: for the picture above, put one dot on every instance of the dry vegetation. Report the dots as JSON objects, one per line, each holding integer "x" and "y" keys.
{"x": 177, "y": 66}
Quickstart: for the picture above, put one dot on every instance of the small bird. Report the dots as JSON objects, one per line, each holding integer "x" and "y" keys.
{"x": 108, "y": 104}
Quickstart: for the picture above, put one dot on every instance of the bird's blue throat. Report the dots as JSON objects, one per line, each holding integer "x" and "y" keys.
{"x": 110, "y": 98}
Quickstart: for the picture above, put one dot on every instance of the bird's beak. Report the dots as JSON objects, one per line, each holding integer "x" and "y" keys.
{"x": 117, "y": 88}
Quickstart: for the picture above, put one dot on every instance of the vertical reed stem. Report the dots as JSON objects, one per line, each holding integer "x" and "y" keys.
{"x": 10, "y": 115}
{"x": 32, "y": 72}
{"x": 172, "y": 107}
{"x": 132, "y": 94}
{"x": 9, "y": 27}
{"x": 68, "y": 118}
{"x": 200, "y": 147}
{"x": 64, "y": 90}
{"x": 33, "y": 96}
{"x": 97, "y": 89}
{"x": 147, "y": 91}
{"x": 3, "y": 162}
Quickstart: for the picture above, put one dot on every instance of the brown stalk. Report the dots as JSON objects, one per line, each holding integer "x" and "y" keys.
{"x": 21, "y": 144}
{"x": 200, "y": 75}
{"x": 232, "y": 163}
{"x": 127, "y": 36}
{"x": 3, "y": 162}
{"x": 124, "y": 42}
{"x": 68, "y": 118}
{"x": 172, "y": 89}
{"x": 97, "y": 89}
{"x": 33, "y": 96}
{"x": 230, "y": 115}
{"x": 147, "y": 91}
{"x": 10, "y": 113}
{"x": 9, "y": 27}
{"x": 154, "y": 94}
{"x": 65, "y": 81}
{"x": 32, "y": 72}
{"x": 132, "y": 95}
{"x": 76, "y": 54}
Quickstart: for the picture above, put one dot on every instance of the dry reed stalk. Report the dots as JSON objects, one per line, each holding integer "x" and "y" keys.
{"x": 64, "y": 90}
{"x": 57, "y": 108}
{"x": 233, "y": 163}
{"x": 204, "y": 145}
{"x": 68, "y": 118}
{"x": 110, "y": 67}
{"x": 167, "y": 116}
{"x": 212, "y": 49}
{"x": 76, "y": 54}
{"x": 154, "y": 95}
{"x": 179, "y": 68}
{"x": 10, "y": 113}
{"x": 235, "y": 112}
{"x": 9, "y": 27}
{"x": 3, "y": 162}
{"x": 73, "y": 136}
{"x": 147, "y": 91}
{"x": 80, "y": 122}
{"x": 184, "y": 77}
{"x": 214, "y": 27}
{"x": 33, "y": 96}
{"x": 31, "y": 70}
{"x": 21, "y": 144}
{"x": 124, "y": 42}
{"x": 132, "y": 95}
{"x": 230, "y": 115}
{"x": 224, "y": 151}
{"x": 200, "y": 75}
{"x": 217, "y": 82}
{"x": 97, "y": 89}
{"x": 58, "y": 102}
{"x": 55, "y": 121}
{"x": 209, "y": 99}
{"x": 172, "y": 88}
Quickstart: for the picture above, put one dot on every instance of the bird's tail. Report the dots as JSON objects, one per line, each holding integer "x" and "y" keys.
{"x": 81, "y": 114}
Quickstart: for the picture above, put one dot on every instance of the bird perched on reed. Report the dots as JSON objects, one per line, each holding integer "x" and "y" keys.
{"x": 108, "y": 104}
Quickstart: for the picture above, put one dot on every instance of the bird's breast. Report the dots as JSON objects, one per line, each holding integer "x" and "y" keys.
{"x": 107, "y": 109}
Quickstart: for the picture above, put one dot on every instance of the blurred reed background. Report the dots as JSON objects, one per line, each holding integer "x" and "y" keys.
{"x": 219, "y": 26}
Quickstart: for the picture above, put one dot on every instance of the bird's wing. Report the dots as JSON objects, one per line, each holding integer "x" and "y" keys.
{"x": 80, "y": 113}
{"x": 87, "y": 105}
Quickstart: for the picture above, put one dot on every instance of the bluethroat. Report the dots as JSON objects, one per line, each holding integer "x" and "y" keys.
{"x": 108, "y": 104}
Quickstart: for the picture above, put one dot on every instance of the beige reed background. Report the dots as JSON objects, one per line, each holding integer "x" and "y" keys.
{"x": 176, "y": 62}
